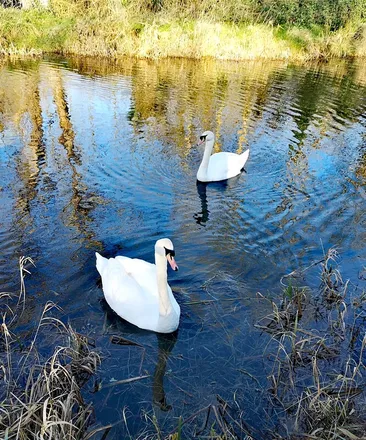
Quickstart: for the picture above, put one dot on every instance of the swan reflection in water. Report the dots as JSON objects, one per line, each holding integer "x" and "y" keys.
{"x": 166, "y": 342}
{"x": 203, "y": 216}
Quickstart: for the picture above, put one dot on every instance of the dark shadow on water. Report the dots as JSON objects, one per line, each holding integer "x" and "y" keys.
{"x": 166, "y": 343}
{"x": 202, "y": 217}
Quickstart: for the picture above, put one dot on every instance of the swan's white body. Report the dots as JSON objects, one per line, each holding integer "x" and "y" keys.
{"x": 219, "y": 166}
{"x": 138, "y": 291}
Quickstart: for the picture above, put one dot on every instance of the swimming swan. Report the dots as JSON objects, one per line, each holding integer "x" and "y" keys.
{"x": 219, "y": 166}
{"x": 138, "y": 291}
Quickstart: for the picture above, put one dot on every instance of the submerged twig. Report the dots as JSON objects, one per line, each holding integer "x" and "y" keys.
{"x": 123, "y": 381}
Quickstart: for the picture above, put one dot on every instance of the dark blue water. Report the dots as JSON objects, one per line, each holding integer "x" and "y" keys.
{"x": 102, "y": 157}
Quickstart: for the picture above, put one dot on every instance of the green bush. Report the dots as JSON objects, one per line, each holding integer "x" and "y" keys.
{"x": 333, "y": 14}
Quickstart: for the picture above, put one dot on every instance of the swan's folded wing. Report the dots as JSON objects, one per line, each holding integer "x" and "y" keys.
{"x": 118, "y": 286}
{"x": 142, "y": 272}
{"x": 127, "y": 298}
{"x": 224, "y": 165}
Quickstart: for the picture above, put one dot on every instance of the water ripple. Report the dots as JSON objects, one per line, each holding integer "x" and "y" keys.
{"x": 100, "y": 157}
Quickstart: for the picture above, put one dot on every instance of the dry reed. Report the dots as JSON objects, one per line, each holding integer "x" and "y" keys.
{"x": 330, "y": 406}
{"x": 42, "y": 399}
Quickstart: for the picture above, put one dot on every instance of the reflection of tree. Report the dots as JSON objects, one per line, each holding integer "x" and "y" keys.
{"x": 361, "y": 167}
{"x": 15, "y": 92}
{"x": 325, "y": 99}
{"x": 254, "y": 95}
{"x": 168, "y": 96}
{"x": 33, "y": 155}
{"x": 221, "y": 91}
{"x": 316, "y": 91}
{"x": 309, "y": 100}
{"x": 80, "y": 200}
{"x": 21, "y": 112}
{"x": 68, "y": 136}
{"x": 172, "y": 101}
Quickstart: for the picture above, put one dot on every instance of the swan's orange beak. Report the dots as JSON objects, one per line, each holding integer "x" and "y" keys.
{"x": 172, "y": 262}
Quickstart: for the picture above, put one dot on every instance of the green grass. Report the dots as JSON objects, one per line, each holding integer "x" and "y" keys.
{"x": 199, "y": 29}
{"x": 33, "y": 31}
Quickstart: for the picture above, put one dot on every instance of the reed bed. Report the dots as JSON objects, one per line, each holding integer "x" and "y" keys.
{"x": 317, "y": 381}
{"x": 41, "y": 398}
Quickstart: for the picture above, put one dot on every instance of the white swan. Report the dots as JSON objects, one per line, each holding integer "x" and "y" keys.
{"x": 219, "y": 166}
{"x": 138, "y": 291}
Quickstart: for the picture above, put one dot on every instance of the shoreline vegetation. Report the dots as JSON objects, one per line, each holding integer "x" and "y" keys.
{"x": 227, "y": 30}
{"x": 41, "y": 396}
{"x": 315, "y": 383}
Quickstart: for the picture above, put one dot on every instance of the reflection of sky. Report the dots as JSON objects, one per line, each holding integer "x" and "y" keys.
{"x": 321, "y": 164}
{"x": 117, "y": 158}
{"x": 98, "y": 107}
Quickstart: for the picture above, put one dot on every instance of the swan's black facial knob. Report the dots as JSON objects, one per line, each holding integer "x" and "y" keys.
{"x": 202, "y": 140}
{"x": 170, "y": 257}
{"x": 169, "y": 252}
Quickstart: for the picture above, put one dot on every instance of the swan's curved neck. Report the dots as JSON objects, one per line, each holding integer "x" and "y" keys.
{"x": 165, "y": 305}
{"x": 202, "y": 170}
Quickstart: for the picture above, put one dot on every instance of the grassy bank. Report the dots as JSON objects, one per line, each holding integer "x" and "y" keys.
{"x": 153, "y": 29}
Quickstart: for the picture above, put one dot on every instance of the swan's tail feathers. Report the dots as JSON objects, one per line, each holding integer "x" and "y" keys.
{"x": 101, "y": 263}
{"x": 244, "y": 157}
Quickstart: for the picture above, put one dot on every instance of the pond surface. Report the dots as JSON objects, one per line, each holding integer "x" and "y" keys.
{"x": 102, "y": 157}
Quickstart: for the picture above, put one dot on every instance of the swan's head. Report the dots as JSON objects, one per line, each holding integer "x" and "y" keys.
{"x": 164, "y": 247}
{"x": 206, "y": 136}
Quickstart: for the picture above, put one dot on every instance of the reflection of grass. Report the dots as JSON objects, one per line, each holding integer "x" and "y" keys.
{"x": 111, "y": 29}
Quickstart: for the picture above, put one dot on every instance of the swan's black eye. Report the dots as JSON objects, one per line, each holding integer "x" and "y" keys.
{"x": 169, "y": 252}
{"x": 202, "y": 138}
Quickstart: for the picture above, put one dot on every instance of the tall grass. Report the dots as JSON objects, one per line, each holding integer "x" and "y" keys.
{"x": 317, "y": 380}
{"x": 41, "y": 398}
{"x": 246, "y": 29}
